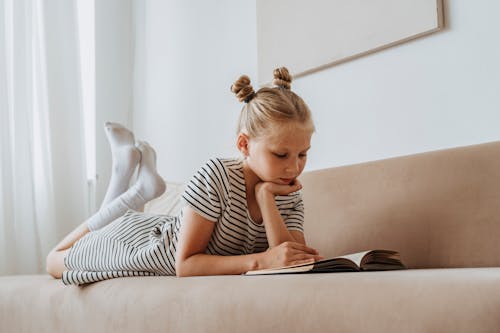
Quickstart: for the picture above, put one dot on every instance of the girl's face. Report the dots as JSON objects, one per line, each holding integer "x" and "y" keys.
{"x": 280, "y": 155}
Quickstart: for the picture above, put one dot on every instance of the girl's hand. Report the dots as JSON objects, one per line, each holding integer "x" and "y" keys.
{"x": 289, "y": 253}
{"x": 263, "y": 188}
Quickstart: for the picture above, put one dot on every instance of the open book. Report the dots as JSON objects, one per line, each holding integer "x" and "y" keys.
{"x": 373, "y": 260}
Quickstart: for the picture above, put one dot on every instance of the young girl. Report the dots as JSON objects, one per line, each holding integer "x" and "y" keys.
{"x": 240, "y": 214}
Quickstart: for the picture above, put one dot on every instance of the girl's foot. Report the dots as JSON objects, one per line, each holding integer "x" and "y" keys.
{"x": 149, "y": 183}
{"x": 125, "y": 157}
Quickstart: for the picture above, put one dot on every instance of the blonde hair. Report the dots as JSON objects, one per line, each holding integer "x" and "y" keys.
{"x": 269, "y": 106}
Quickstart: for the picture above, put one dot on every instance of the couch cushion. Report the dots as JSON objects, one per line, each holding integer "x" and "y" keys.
{"x": 169, "y": 203}
{"x": 428, "y": 300}
{"x": 439, "y": 209}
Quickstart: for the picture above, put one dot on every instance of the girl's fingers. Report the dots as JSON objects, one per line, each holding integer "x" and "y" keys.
{"x": 287, "y": 189}
{"x": 305, "y": 261}
{"x": 297, "y": 183}
{"x": 304, "y": 248}
{"x": 302, "y": 257}
{"x": 307, "y": 257}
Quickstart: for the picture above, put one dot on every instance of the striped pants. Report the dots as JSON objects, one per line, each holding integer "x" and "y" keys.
{"x": 137, "y": 244}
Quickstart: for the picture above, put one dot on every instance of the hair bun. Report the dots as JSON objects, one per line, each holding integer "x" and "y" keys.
{"x": 282, "y": 78}
{"x": 243, "y": 89}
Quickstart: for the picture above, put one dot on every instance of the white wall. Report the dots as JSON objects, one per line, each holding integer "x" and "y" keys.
{"x": 188, "y": 53}
{"x": 435, "y": 92}
{"x": 113, "y": 65}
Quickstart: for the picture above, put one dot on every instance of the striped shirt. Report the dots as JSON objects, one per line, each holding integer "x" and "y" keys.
{"x": 217, "y": 192}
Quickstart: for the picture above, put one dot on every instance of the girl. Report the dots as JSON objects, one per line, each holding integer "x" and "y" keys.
{"x": 240, "y": 214}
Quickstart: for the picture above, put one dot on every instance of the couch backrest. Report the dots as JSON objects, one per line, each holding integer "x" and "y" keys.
{"x": 439, "y": 209}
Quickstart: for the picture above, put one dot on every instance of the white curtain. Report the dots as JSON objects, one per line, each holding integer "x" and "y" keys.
{"x": 43, "y": 186}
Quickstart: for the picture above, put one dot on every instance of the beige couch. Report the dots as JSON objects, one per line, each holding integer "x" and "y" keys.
{"x": 440, "y": 209}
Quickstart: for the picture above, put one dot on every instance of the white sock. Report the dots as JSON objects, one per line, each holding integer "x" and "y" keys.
{"x": 149, "y": 185}
{"x": 125, "y": 157}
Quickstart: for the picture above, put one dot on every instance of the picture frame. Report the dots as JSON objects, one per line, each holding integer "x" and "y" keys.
{"x": 308, "y": 36}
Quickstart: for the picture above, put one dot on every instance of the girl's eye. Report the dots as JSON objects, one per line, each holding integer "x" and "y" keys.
{"x": 280, "y": 155}
{"x": 302, "y": 155}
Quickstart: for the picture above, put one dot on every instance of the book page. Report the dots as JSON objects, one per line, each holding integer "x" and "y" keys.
{"x": 355, "y": 257}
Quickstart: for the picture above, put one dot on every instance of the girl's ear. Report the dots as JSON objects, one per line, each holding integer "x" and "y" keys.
{"x": 242, "y": 143}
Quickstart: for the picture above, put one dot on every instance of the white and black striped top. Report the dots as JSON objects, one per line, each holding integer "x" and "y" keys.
{"x": 217, "y": 192}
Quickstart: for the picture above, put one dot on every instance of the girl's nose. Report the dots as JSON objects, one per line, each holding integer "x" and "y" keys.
{"x": 293, "y": 167}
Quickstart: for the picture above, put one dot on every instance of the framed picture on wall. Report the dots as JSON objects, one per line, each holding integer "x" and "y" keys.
{"x": 309, "y": 35}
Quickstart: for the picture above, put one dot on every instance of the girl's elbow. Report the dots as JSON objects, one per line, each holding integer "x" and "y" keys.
{"x": 180, "y": 273}
{"x": 178, "y": 270}
{"x": 181, "y": 269}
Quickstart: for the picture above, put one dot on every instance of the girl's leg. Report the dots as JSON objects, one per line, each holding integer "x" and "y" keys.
{"x": 125, "y": 157}
{"x": 149, "y": 185}
{"x": 55, "y": 259}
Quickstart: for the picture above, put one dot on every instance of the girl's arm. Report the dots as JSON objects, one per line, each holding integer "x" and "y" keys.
{"x": 194, "y": 236}
{"x": 276, "y": 230}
